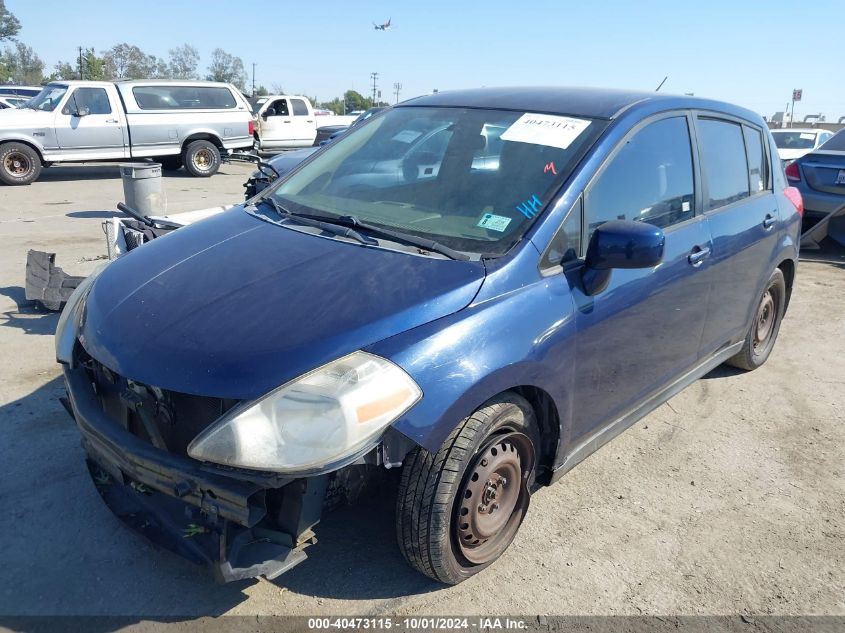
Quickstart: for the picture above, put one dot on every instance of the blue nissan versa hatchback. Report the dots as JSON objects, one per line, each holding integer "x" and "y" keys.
{"x": 479, "y": 288}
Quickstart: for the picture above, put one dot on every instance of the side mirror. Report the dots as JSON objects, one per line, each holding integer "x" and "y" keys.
{"x": 620, "y": 244}
{"x": 81, "y": 112}
{"x": 269, "y": 112}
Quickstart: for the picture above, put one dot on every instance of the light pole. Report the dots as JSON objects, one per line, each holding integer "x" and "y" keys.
{"x": 253, "y": 79}
{"x": 397, "y": 88}
{"x": 375, "y": 88}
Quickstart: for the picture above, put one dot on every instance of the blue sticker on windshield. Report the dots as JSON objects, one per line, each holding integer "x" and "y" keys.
{"x": 530, "y": 208}
{"x": 494, "y": 222}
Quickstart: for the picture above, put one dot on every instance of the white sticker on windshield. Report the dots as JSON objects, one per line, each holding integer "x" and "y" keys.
{"x": 494, "y": 222}
{"x": 407, "y": 136}
{"x": 545, "y": 129}
{"x": 808, "y": 136}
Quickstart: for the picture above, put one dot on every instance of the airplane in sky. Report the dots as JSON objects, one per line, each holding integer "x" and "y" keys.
{"x": 382, "y": 27}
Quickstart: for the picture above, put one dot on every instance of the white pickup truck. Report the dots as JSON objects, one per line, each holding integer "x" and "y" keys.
{"x": 288, "y": 122}
{"x": 177, "y": 123}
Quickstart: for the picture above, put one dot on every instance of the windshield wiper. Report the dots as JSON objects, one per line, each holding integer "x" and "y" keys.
{"x": 329, "y": 227}
{"x": 421, "y": 242}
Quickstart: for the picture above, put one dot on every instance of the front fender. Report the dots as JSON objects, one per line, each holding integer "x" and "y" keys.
{"x": 16, "y": 137}
{"x": 523, "y": 338}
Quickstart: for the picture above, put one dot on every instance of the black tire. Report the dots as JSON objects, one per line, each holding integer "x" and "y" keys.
{"x": 19, "y": 164}
{"x": 201, "y": 159}
{"x": 170, "y": 163}
{"x": 433, "y": 510}
{"x": 765, "y": 325}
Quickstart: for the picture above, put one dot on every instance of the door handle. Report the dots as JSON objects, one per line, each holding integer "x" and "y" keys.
{"x": 112, "y": 121}
{"x": 696, "y": 257}
{"x": 285, "y": 121}
{"x": 769, "y": 222}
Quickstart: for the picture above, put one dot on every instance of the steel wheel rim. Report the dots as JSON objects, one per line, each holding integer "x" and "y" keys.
{"x": 203, "y": 160}
{"x": 765, "y": 320}
{"x": 17, "y": 164}
{"x": 493, "y": 498}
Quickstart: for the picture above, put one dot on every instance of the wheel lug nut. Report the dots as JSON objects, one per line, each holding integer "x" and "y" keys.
{"x": 482, "y": 508}
{"x": 495, "y": 506}
{"x": 483, "y": 462}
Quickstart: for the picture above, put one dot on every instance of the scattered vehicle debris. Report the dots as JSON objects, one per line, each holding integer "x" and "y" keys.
{"x": 47, "y": 284}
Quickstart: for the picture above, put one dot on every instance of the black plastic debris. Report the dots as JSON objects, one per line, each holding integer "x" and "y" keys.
{"x": 47, "y": 284}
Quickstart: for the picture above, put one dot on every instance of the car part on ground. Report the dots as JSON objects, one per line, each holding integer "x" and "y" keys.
{"x": 46, "y": 284}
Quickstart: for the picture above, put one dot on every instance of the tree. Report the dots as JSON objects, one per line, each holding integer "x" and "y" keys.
{"x": 261, "y": 91}
{"x": 9, "y": 24}
{"x": 183, "y": 62}
{"x": 355, "y": 101}
{"x": 228, "y": 68}
{"x": 126, "y": 61}
{"x": 20, "y": 65}
{"x": 93, "y": 68}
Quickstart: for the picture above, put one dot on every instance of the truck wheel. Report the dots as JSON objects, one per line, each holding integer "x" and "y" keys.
{"x": 460, "y": 508}
{"x": 19, "y": 164}
{"x": 201, "y": 159}
{"x": 765, "y": 326}
{"x": 170, "y": 163}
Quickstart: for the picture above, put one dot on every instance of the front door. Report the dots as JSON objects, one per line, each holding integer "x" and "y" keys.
{"x": 276, "y": 124}
{"x": 88, "y": 125}
{"x": 644, "y": 330}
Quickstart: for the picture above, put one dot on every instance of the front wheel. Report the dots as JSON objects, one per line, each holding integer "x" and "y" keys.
{"x": 459, "y": 509}
{"x": 201, "y": 159}
{"x": 19, "y": 164}
{"x": 765, "y": 326}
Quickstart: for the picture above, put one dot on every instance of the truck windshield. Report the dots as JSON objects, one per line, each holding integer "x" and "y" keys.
{"x": 472, "y": 179}
{"x": 48, "y": 98}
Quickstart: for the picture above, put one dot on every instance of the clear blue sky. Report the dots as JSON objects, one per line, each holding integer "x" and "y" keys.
{"x": 746, "y": 51}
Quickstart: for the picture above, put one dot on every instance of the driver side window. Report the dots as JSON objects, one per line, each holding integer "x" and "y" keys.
{"x": 281, "y": 108}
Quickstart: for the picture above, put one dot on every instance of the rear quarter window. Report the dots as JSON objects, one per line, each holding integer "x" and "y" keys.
{"x": 184, "y": 98}
{"x": 723, "y": 162}
{"x": 836, "y": 143}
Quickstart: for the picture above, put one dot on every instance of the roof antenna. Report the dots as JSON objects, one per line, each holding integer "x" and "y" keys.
{"x": 661, "y": 84}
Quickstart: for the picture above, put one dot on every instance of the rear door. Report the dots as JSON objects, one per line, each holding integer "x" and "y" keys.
{"x": 99, "y": 132}
{"x": 742, "y": 214}
{"x": 643, "y": 331}
{"x": 304, "y": 126}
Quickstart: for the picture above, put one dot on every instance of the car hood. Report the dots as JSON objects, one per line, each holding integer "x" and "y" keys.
{"x": 16, "y": 118}
{"x": 232, "y": 306}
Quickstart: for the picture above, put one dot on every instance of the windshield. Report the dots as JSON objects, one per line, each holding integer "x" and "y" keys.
{"x": 47, "y": 99}
{"x": 794, "y": 140}
{"x": 835, "y": 142}
{"x": 474, "y": 180}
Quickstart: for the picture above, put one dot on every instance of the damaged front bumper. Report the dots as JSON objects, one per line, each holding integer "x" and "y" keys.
{"x": 240, "y": 524}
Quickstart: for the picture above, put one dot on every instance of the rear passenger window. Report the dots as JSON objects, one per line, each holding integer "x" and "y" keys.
{"x": 758, "y": 166}
{"x": 299, "y": 107}
{"x": 154, "y": 97}
{"x": 723, "y": 162}
{"x": 649, "y": 180}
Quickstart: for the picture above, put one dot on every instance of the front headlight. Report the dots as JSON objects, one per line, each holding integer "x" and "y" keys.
{"x": 67, "y": 327}
{"x": 314, "y": 422}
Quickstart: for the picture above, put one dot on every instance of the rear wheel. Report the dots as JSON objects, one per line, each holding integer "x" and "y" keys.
{"x": 201, "y": 159}
{"x": 765, "y": 326}
{"x": 459, "y": 509}
{"x": 19, "y": 164}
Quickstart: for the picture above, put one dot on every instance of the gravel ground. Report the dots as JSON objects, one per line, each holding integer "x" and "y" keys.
{"x": 728, "y": 499}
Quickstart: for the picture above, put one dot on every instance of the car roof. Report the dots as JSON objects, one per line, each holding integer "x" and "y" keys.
{"x": 602, "y": 103}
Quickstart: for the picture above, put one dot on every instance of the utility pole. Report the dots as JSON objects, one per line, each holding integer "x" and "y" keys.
{"x": 253, "y": 79}
{"x": 81, "y": 75}
{"x": 375, "y": 88}
{"x": 397, "y": 88}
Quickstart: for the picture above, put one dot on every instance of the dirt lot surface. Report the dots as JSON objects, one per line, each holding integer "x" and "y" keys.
{"x": 728, "y": 499}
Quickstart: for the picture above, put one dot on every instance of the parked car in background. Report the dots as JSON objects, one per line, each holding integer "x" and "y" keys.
{"x": 12, "y": 102}
{"x": 175, "y": 122}
{"x": 287, "y": 122}
{"x": 793, "y": 143}
{"x": 331, "y": 132}
{"x": 820, "y": 177}
{"x": 556, "y": 264}
{"x": 19, "y": 91}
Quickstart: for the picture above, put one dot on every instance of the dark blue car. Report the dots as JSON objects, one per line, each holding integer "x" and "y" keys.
{"x": 464, "y": 297}
{"x": 820, "y": 177}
